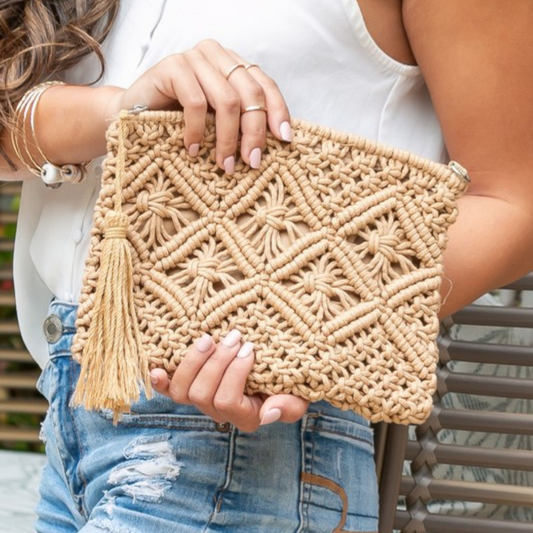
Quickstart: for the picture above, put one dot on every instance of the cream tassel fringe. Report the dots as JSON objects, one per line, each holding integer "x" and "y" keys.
{"x": 113, "y": 364}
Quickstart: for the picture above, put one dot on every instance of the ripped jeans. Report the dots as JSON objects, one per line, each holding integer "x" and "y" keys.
{"x": 168, "y": 468}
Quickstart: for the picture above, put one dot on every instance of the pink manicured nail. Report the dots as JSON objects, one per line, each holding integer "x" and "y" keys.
{"x": 232, "y": 338}
{"x": 204, "y": 343}
{"x": 229, "y": 165}
{"x": 153, "y": 378}
{"x": 270, "y": 416}
{"x": 285, "y": 131}
{"x": 246, "y": 349}
{"x": 255, "y": 157}
{"x": 194, "y": 149}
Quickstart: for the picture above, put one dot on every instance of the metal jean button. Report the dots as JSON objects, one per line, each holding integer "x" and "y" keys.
{"x": 53, "y": 329}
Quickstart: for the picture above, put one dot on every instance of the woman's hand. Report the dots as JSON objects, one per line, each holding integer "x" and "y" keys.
{"x": 72, "y": 119}
{"x": 212, "y": 377}
{"x": 204, "y": 78}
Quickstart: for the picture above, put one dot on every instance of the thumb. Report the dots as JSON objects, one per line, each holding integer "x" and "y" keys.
{"x": 160, "y": 381}
{"x": 282, "y": 408}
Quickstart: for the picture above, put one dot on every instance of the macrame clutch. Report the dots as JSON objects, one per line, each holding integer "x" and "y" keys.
{"x": 328, "y": 258}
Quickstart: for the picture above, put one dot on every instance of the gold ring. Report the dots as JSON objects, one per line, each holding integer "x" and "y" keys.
{"x": 247, "y": 67}
{"x": 233, "y": 69}
{"x": 253, "y": 108}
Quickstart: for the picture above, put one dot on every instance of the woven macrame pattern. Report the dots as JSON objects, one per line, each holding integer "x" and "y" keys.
{"x": 327, "y": 258}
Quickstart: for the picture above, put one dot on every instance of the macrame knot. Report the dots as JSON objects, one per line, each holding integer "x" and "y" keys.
{"x": 143, "y": 201}
{"x": 309, "y": 283}
{"x": 374, "y": 243}
{"x": 272, "y": 215}
{"x": 321, "y": 282}
{"x": 261, "y": 216}
{"x": 204, "y": 268}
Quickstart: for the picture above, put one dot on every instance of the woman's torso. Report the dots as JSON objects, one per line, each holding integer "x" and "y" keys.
{"x": 322, "y": 56}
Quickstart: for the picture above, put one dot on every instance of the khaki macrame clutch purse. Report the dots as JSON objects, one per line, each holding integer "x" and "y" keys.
{"x": 328, "y": 258}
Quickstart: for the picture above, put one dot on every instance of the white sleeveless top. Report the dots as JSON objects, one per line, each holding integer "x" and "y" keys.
{"x": 319, "y": 52}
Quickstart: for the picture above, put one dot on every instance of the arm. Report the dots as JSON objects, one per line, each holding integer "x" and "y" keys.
{"x": 59, "y": 135}
{"x": 475, "y": 58}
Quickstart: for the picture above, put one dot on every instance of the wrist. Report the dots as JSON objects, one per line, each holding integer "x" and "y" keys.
{"x": 111, "y": 104}
{"x": 71, "y": 121}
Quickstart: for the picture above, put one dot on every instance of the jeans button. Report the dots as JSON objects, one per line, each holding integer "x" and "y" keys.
{"x": 53, "y": 329}
{"x": 223, "y": 427}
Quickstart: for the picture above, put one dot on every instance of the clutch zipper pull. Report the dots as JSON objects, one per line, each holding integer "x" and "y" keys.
{"x": 459, "y": 170}
{"x": 137, "y": 108}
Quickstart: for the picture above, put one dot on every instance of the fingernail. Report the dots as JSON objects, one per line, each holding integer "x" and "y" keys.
{"x": 229, "y": 165}
{"x": 255, "y": 157}
{"x": 246, "y": 349}
{"x": 194, "y": 149}
{"x": 270, "y": 416}
{"x": 285, "y": 131}
{"x": 204, "y": 343}
{"x": 232, "y": 338}
{"x": 153, "y": 378}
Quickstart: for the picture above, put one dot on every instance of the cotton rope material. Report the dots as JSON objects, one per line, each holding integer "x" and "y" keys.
{"x": 328, "y": 258}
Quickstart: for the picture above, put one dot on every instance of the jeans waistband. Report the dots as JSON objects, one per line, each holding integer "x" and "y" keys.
{"x": 59, "y": 328}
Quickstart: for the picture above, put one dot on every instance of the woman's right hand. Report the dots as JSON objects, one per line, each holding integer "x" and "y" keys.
{"x": 198, "y": 80}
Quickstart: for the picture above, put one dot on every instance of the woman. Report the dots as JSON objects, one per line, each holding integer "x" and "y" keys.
{"x": 430, "y": 76}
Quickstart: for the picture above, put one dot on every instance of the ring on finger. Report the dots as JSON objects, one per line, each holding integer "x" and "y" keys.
{"x": 251, "y": 108}
{"x": 233, "y": 69}
{"x": 251, "y": 65}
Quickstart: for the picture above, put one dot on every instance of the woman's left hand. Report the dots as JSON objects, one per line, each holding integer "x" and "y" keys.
{"x": 213, "y": 376}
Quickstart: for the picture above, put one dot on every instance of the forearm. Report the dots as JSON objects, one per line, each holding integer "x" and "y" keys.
{"x": 70, "y": 124}
{"x": 491, "y": 244}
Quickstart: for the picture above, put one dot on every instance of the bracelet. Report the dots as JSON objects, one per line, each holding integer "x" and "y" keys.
{"x": 25, "y": 112}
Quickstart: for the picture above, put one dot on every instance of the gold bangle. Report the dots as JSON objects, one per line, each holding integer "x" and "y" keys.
{"x": 18, "y": 130}
{"x": 25, "y": 112}
{"x": 44, "y": 87}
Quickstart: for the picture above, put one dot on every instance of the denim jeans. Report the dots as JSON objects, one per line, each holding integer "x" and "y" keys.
{"x": 168, "y": 468}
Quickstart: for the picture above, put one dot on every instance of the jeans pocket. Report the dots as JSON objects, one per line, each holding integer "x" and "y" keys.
{"x": 339, "y": 486}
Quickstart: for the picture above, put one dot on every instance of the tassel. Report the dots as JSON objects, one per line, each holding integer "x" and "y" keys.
{"x": 113, "y": 362}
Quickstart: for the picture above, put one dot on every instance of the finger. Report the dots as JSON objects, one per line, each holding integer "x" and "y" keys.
{"x": 160, "y": 381}
{"x": 226, "y": 102}
{"x": 283, "y": 408}
{"x": 253, "y": 125}
{"x": 188, "y": 369}
{"x": 191, "y": 96}
{"x": 204, "y": 386}
{"x": 278, "y": 116}
{"x": 253, "y": 121}
{"x": 230, "y": 401}
{"x": 177, "y": 81}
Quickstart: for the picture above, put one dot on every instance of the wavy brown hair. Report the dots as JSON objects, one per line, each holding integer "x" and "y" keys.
{"x": 40, "y": 38}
